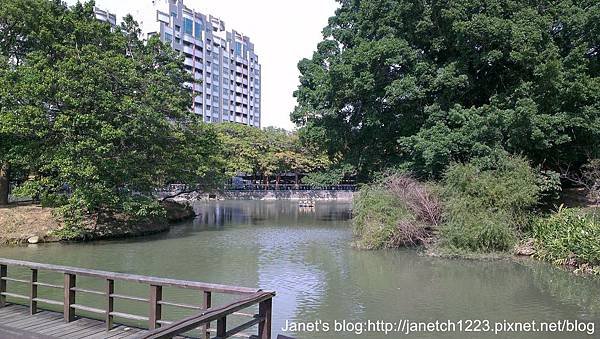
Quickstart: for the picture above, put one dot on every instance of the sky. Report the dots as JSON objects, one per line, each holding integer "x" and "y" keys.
{"x": 283, "y": 32}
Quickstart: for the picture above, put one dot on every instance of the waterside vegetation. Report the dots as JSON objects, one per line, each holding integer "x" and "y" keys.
{"x": 490, "y": 111}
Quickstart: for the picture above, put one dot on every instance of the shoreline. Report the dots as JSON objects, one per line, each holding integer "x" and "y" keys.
{"x": 22, "y": 224}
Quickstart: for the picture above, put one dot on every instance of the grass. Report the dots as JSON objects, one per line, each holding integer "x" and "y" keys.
{"x": 570, "y": 237}
{"x": 376, "y": 215}
{"x": 18, "y": 222}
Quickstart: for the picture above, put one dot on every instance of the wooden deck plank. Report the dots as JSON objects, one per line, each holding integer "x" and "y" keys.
{"x": 100, "y": 328}
{"x": 7, "y": 332}
{"x": 114, "y": 333}
{"x": 19, "y": 324}
{"x": 49, "y": 328}
{"x": 62, "y": 327}
{"x": 74, "y": 326}
{"x": 42, "y": 325}
{"x": 8, "y": 317}
{"x": 25, "y": 324}
{"x": 52, "y": 320}
{"x": 133, "y": 334}
{"x": 5, "y": 318}
{"x": 13, "y": 309}
{"x": 28, "y": 320}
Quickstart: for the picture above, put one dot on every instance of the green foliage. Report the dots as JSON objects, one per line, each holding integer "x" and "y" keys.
{"x": 425, "y": 84}
{"x": 487, "y": 206}
{"x": 478, "y": 231}
{"x": 267, "y": 152}
{"x": 550, "y": 187}
{"x": 376, "y": 214}
{"x": 332, "y": 176}
{"x": 568, "y": 237}
{"x": 509, "y": 184}
{"x": 93, "y": 118}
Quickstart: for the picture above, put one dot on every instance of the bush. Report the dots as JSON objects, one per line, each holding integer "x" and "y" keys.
{"x": 396, "y": 211}
{"x": 376, "y": 214}
{"x": 568, "y": 237}
{"x": 488, "y": 204}
{"x": 475, "y": 230}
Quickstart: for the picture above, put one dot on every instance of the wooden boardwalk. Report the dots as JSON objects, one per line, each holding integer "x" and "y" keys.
{"x": 32, "y": 321}
{"x": 15, "y": 322}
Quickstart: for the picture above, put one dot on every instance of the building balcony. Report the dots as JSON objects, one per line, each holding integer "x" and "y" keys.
{"x": 188, "y": 38}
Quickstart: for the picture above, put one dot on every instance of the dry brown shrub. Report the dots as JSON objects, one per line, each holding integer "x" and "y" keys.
{"x": 424, "y": 206}
{"x": 418, "y": 198}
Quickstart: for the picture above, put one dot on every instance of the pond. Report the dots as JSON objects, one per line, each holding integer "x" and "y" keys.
{"x": 307, "y": 258}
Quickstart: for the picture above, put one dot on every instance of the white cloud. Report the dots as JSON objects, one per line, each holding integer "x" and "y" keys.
{"x": 283, "y": 31}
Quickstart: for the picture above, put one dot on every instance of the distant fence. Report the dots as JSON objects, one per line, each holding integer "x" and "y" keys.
{"x": 288, "y": 187}
{"x": 264, "y": 187}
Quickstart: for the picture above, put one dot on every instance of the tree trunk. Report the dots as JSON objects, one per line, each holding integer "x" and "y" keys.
{"x": 4, "y": 183}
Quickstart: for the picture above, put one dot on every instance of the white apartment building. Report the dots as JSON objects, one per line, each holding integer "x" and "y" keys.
{"x": 223, "y": 63}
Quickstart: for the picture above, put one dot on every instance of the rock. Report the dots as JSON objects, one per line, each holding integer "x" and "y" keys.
{"x": 33, "y": 240}
{"x": 527, "y": 249}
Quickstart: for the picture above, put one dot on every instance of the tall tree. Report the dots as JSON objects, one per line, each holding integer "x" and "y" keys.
{"x": 96, "y": 111}
{"x": 424, "y": 83}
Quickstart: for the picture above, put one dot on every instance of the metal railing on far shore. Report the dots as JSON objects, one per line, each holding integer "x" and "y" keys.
{"x": 288, "y": 187}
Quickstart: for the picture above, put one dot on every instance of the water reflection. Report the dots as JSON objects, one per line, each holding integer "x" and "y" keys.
{"x": 306, "y": 257}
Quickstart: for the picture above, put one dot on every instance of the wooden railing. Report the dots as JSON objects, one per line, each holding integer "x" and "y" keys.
{"x": 154, "y": 318}
{"x": 263, "y": 319}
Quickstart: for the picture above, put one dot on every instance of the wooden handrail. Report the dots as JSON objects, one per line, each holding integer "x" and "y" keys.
{"x": 250, "y": 297}
{"x": 142, "y": 279}
{"x": 212, "y": 314}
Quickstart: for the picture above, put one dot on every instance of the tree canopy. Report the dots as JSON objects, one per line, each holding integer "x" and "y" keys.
{"x": 93, "y": 110}
{"x": 267, "y": 152}
{"x": 422, "y": 84}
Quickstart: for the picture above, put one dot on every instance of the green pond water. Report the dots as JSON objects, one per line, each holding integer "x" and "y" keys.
{"x": 307, "y": 258}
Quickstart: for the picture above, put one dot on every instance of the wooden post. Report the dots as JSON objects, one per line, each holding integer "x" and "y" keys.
{"x": 33, "y": 292}
{"x": 221, "y": 327}
{"x": 264, "y": 311}
{"x": 2, "y": 285}
{"x": 110, "y": 304}
{"x": 155, "y": 307}
{"x": 206, "y": 304}
{"x": 69, "y": 299}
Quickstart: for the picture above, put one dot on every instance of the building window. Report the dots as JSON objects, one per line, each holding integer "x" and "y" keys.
{"x": 168, "y": 38}
{"x": 238, "y": 48}
{"x": 188, "y": 26}
{"x": 198, "y": 30}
